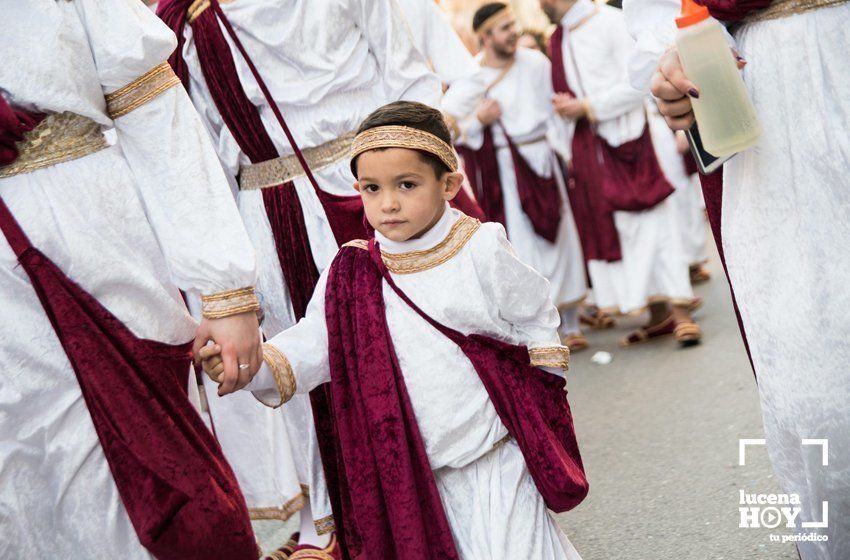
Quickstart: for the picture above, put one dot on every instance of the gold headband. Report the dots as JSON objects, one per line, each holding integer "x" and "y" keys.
{"x": 495, "y": 20}
{"x": 403, "y": 137}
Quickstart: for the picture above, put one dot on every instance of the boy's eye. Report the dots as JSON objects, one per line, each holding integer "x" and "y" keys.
{"x": 407, "y": 185}
{"x": 371, "y": 188}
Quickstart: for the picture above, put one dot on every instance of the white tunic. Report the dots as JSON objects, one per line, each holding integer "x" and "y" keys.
{"x": 492, "y": 505}
{"x": 525, "y": 95}
{"x": 434, "y": 36}
{"x": 785, "y": 225}
{"x": 653, "y": 267}
{"x": 130, "y": 224}
{"x": 327, "y": 65}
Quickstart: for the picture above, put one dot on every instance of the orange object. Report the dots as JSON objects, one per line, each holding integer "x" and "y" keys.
{"x": 692, "y": 13}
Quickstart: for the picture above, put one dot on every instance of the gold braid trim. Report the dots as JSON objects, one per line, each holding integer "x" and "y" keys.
{"x": 358, "y": 243}
{"x": 280, "y": 170}
{"x": 281, "y": 513}
{"x": 141, "y": 90}
{"x": 325, "y": 525}
{"x": 393, "y": 136}
{"x": 195, "y": 9}
{"x": 59, "y": 137}
{"x": 550, "y": 356}
{"x": 784, "y": 8}
{"x": 284, "y": 378}
{"x": 417, "y": 261}
{"x": 500, "y": 17}
{"x": 325, "y": 554}
{"x": 231, "y": 302}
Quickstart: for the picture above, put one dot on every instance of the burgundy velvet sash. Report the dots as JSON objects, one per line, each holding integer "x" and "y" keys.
{"x": 177, "y": 488}
{"x": 592, "y": 212}
{"x": 389, "y": 499}
{"x": 629, "y": 175}
{"x": 733, "y": 10}
{"x": 538, "y": 195}
{"x": 345, "y": 214}
{"x": 13, "y": 126}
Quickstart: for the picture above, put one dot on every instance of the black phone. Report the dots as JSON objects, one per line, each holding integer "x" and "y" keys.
{"x": 706, "y": 162}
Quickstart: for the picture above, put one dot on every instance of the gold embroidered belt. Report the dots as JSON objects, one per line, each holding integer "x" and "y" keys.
{"x": 282, "y": 169}
{"x": 784, "y": 8}
{"x": 59, "y": 137}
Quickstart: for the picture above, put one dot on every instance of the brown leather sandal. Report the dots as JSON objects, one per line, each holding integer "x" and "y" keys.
{"x": 575, "y": 342}
{"x": 644, "y": 334}
{"x": 699, "y": 275}
{"x": 597, "y": 320}
{"x": 688, "y": 333}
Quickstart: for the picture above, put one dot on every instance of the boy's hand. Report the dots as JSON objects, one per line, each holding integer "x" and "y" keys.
{"x": 212, "y": 362}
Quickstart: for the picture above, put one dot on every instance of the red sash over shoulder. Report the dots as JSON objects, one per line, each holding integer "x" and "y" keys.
{"x": 387, "y": 495}
{"x": 179, "y": 492}
{"x": 539, "y": 196}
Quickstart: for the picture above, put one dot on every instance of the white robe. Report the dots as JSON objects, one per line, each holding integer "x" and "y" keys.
{"x": 525, "y": 96}
{"x": 491, "y": 503}
{"x": 432, "y": 33}
{"x": 131, "y": 224}
{"x": 785, "y": 229}
{"x": 653, "y": 267}
{"x": 358, "y": 56}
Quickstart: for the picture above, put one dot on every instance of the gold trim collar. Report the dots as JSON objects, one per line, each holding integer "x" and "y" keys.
{"x": 417, "y": 261}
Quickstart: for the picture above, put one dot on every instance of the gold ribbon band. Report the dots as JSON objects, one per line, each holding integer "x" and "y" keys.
{"x": 277, "y": 171}
{"x": 231, "y": 302}
{"x": 59, "y": 137}
{"x": 497, "y": 19}
{"x": 784, "y": 8}
{"x": 284, "y": 378}
{"x": 394, "y": 136}
{"x": 141, "y": 90}
{"x": 195, "y": 9}
{"x": 550, "y": 356}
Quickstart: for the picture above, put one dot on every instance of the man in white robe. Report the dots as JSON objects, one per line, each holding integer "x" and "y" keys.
{"x": 131, "y": 223}
{"x": 652, "y": 272}
{"x": 513, "y": 87}
{"x": 327, "y": 65}
{"x": 784, "y": 226}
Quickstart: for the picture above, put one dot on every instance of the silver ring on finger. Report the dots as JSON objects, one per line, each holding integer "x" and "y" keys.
{"x": 244, "y": 366}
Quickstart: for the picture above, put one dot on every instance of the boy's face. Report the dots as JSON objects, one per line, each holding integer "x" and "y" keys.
{"x": 402, "y": 196}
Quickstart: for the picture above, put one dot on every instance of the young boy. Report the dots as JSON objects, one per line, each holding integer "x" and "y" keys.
{"x": 449, "y": 445}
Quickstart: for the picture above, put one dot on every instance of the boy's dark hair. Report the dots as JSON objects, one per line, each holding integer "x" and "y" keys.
{"x": 484, "y": 12}
{"x": 413, "y": 115}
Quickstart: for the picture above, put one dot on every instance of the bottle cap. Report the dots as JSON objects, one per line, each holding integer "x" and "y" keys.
{"x": 692, "y": 13}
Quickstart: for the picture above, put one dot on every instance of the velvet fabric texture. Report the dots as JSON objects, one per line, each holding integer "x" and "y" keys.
{"x": 387, "y": 492}
{"x": 538, "y": 195}
{"x": 733, "y": 10}
{"x": 179, "y": 492}
{"x": 628, "y": 175}
{"x": 593, "y": 214}
{"x": 13, "y": 125}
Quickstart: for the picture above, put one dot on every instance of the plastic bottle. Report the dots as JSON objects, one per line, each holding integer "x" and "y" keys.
{"x": 724, "y": 113}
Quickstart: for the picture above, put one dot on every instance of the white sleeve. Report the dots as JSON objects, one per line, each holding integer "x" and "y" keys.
{"x": 461, "y": 101}
{"x": 520, "y": 293}
{"x": 622, "y": 98}
{"x": 405, "y": 72}
{"x": 180, "y": 181}
{"x": 305, "y": 346}
{"x": 652, "y": 24}
{"x": 450, "y": 58}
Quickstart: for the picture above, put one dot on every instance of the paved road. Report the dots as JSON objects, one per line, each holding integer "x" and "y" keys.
{"x": 659, "y": 430}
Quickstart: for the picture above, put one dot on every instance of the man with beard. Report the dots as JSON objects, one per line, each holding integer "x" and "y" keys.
{"x": 511, "y": 162}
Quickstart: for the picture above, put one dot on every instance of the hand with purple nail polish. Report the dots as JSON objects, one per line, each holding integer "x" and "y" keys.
{"x": 673, "y": 91}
